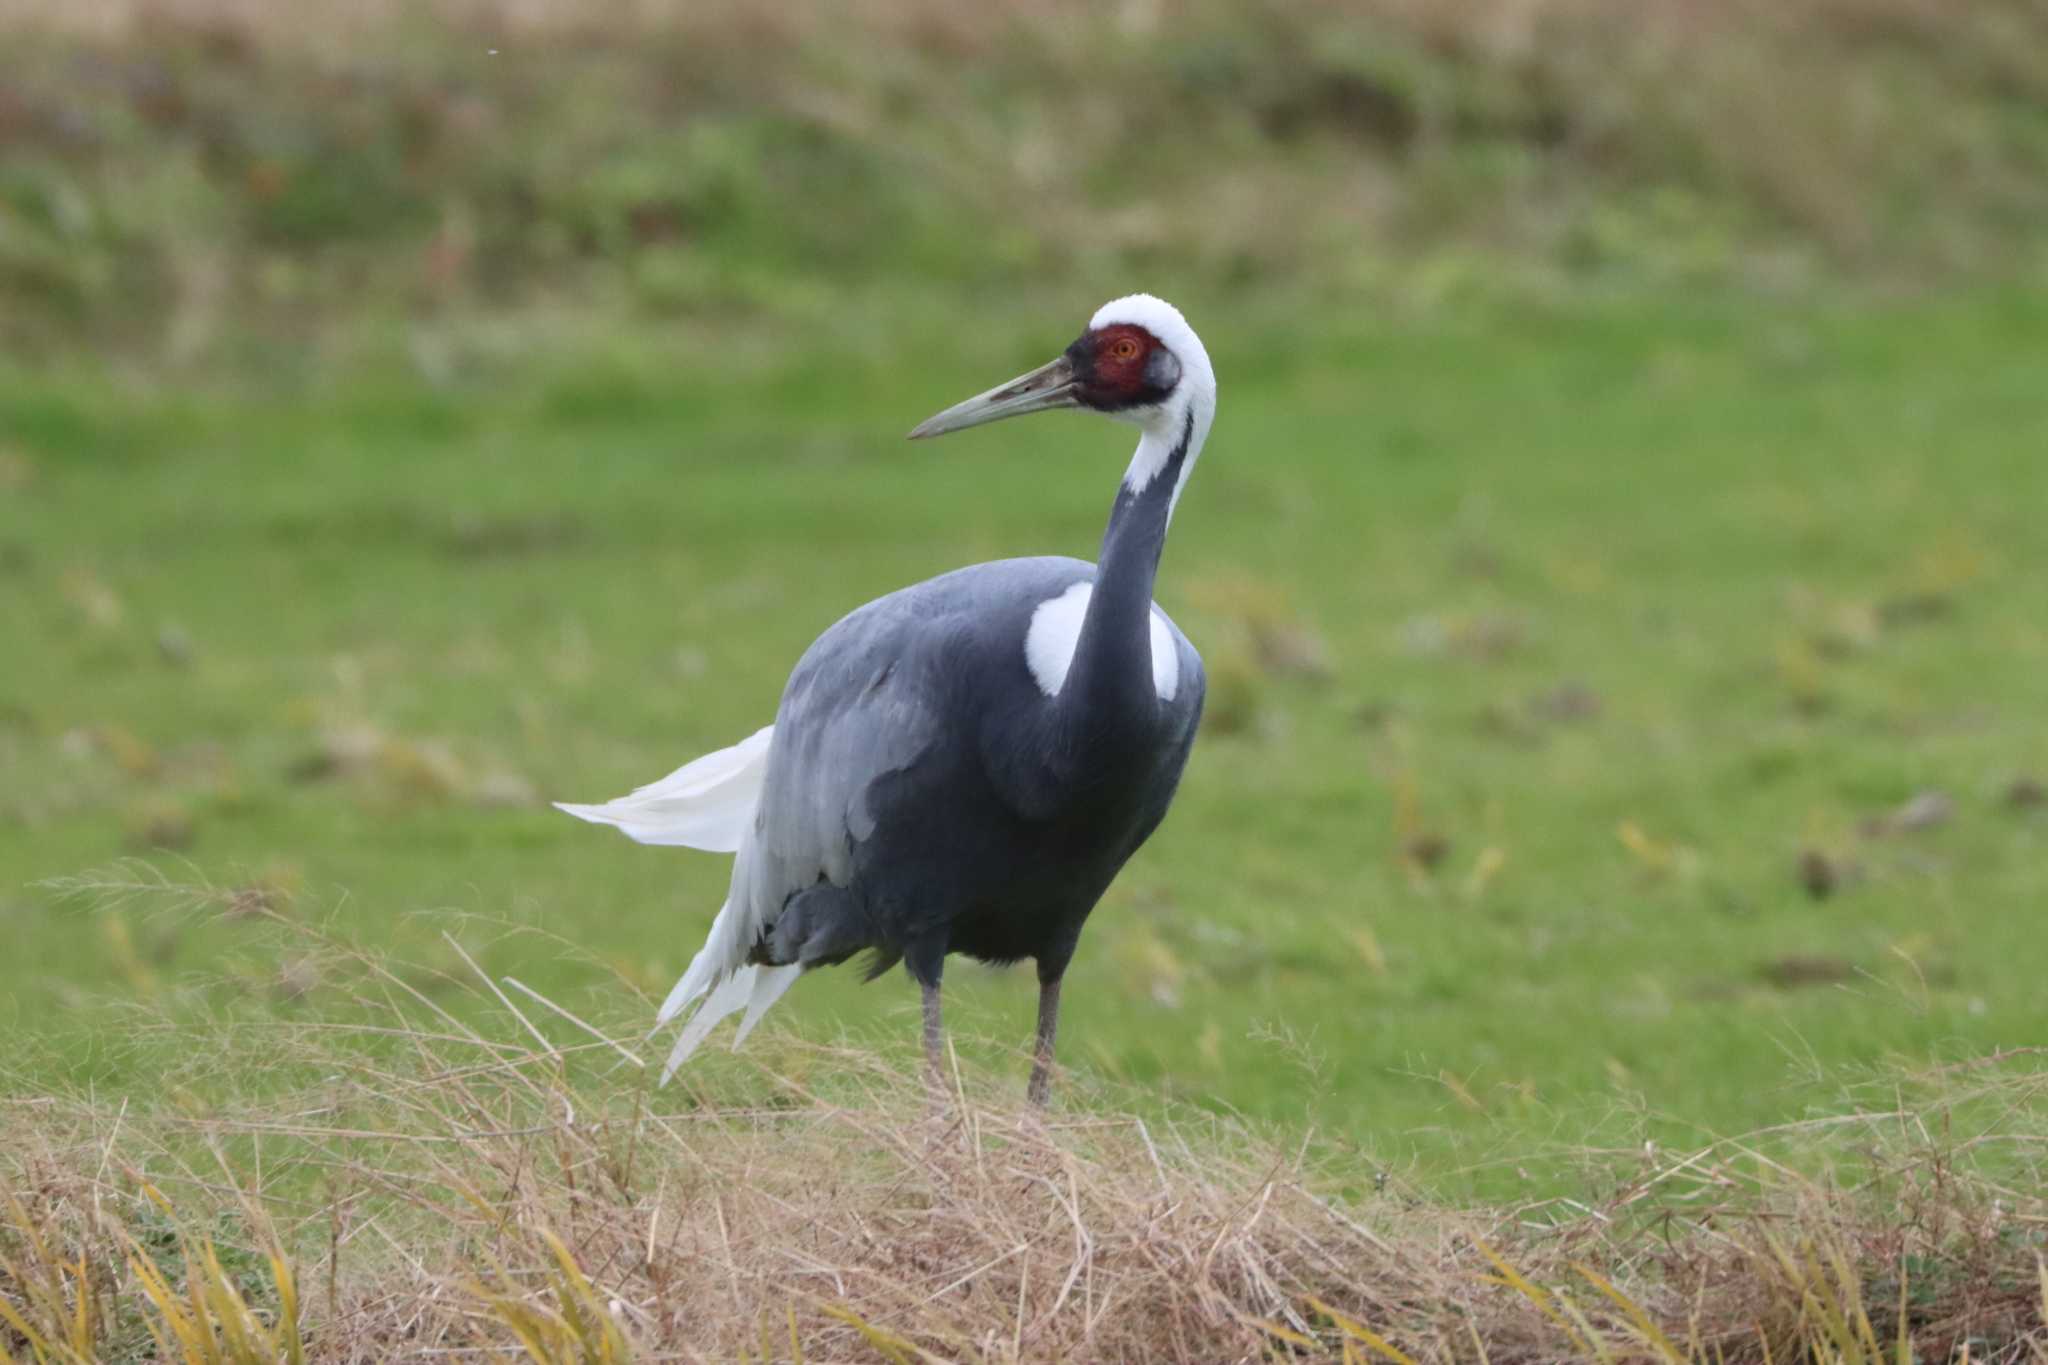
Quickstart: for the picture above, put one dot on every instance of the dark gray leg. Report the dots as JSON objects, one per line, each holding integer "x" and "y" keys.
{"x": 934, "y": 1040}
{"x": 1048, "y": 1029}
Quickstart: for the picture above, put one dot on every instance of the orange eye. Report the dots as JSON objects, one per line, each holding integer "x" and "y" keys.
{"x": 1124, "y": 349}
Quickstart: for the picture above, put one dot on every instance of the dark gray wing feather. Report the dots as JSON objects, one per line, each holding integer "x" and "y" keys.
{"x": 856, "y": 709}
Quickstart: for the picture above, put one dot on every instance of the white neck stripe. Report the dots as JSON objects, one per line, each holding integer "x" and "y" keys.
{"x": 1187, "y": 412}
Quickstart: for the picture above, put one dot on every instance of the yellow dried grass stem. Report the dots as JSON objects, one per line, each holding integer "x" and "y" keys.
{"x": 211, "y": 1322}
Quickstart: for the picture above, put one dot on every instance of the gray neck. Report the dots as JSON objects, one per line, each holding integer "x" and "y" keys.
{"x": 1109, "y": 682}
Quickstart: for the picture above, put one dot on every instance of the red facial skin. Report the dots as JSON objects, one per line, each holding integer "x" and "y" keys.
{"x": 1112, "y": 365}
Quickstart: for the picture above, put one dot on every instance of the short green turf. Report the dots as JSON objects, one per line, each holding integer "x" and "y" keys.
{"x": 1570, "y": 669}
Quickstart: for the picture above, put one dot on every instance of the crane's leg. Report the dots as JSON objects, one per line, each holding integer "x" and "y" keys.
{"x": 925, "y": 960}
{"x": 934, "y": 1037}
{"x": 1048, "y": 1029}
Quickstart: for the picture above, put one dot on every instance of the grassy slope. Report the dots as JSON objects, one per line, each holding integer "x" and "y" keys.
{"x": 178, "y": 177}
{"x": 1787, "y": 551}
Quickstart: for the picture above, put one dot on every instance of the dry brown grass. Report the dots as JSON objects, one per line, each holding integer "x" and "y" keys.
{"x": 380, "y": 1178}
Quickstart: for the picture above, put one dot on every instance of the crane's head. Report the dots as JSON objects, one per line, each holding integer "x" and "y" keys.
{"x": 1138, "y": 361}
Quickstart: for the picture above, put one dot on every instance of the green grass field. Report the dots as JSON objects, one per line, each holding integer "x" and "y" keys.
{"x": 1621, "y": 712}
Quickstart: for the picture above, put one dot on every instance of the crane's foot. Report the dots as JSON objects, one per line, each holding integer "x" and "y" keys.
{"x": 1039, "y": 1092}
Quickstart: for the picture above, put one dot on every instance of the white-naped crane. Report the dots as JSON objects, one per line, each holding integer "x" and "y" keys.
{"x": 962, "y": 766}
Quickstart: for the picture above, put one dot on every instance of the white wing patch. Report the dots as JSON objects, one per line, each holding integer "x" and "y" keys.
{"x": 1056, "y": 629}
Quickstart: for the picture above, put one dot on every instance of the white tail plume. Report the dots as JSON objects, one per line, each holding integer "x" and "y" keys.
{"x": 709, "y": 804}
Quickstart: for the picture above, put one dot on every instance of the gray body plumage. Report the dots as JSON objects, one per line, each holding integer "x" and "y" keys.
{"x": 923, "y": 795}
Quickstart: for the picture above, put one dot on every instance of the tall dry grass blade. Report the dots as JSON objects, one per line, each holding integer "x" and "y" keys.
{"x": 583, "y": 1308}
{"x": 20, "y": 1325}
{"x": 1354, "y": 1330}
{"x": 893, "y": 1348}
{"x": 30, "y": 1283}
{"x": 1652, "y": 1336}
{"x": 287, "y": 1309}
{"x": 1596, "y": 1340}
{"x": 1849, "y": 1289}
{"x": 547, "y": 1049}
{"x": 224, "y": 1305}
{"x": 46, "y": 1288}
{"x": 83, "y": 1318}
{"x": 1534, "y": 1293}
{"x": 1825, "y": 1298}
{"x": 527, "y": 1326}
{"x": 610, "y": 1042}
{"x": 203, "y": 1327}
{"x": 172, "y": 1324}
{"x": 1902, "y": 1352}
{"x": 1286, "y": 1334}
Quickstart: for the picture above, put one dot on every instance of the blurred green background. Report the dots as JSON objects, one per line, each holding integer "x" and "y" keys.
{"x": 1617, "y": 559}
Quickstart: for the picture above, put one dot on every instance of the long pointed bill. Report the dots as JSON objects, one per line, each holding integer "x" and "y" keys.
{"x": 1048, "y": 386}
